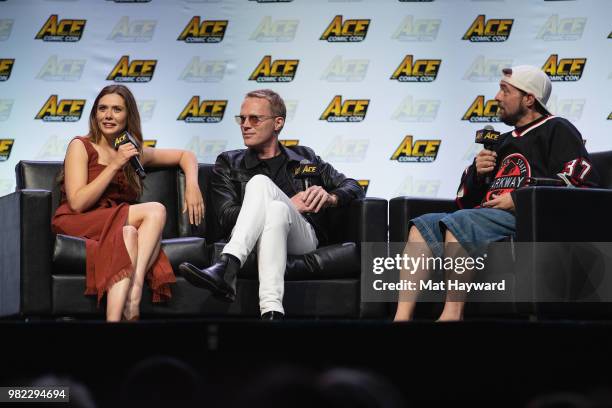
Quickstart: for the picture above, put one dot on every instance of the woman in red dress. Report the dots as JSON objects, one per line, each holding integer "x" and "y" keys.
{"x": 99, "y": 193}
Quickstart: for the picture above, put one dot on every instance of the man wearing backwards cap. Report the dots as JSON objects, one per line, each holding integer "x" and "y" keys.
{"x": 540, "y": 146}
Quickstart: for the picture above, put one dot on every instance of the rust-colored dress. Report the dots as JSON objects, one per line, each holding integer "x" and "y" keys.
{"x": 102, "y": 225}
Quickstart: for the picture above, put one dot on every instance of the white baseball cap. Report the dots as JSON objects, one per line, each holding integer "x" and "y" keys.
{"x": 529, "y": 79}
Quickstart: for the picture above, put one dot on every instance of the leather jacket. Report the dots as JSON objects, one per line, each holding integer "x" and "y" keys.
{"x": 233, "y": 169}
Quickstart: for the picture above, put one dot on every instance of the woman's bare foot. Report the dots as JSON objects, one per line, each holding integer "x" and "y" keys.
{"x": 131, "y": 311}
{"x": 453, "y": 312}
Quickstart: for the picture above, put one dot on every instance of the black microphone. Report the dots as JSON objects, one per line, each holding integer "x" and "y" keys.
{"x": 305, "y": 171}
{"x": 488, "y": 137}
{"x": 124, "y": 138}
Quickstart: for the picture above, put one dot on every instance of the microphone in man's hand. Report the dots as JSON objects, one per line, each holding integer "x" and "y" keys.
{"x": 488, "y": 137}
{"x": 124, "y": 138}
{"x": 305, "y": 171}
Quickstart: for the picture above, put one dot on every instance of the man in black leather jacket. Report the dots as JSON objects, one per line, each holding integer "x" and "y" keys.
{"x": 269, "y": 198}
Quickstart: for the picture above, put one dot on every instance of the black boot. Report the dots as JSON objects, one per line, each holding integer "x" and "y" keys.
{"x": 219, "y": 278}
{"x": 273, "y": 315}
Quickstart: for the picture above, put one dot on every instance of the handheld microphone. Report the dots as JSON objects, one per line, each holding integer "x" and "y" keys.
{"x": 305, "y": 171}
{"x": 124, "y": 138}
{"x": 488, "y": 137}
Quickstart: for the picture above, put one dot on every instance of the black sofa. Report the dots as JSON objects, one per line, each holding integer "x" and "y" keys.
{"x": 42, "y": 275}
{"x": 543, "y": 214}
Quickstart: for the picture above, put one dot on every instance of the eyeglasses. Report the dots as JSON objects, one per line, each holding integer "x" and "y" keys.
{"x": 254, "y": 120}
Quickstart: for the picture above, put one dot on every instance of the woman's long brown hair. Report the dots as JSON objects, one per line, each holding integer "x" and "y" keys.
{"x": 132, "y": 126}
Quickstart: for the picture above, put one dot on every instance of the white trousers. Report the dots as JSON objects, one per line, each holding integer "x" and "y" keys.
{"x": 269, "y": 222}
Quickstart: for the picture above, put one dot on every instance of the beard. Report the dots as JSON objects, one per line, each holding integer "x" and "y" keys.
{"x": 511, "y": 118}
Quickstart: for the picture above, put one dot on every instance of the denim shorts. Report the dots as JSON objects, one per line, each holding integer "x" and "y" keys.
{"x": 474, "y": 228}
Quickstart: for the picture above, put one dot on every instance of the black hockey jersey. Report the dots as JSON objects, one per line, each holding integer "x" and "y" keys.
{"x": 549, "y": 147}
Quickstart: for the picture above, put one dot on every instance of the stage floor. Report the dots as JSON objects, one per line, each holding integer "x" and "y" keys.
{"x": 492, "y": 363}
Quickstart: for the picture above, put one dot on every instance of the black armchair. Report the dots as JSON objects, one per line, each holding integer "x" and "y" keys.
{"x": 543, "y": 214}
{"x": 43, "y": 275}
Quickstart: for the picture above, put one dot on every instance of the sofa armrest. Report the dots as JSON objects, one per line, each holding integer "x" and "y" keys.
{"x": 25, "y": 253}
{"x": 364, "y": 220}
{"x": 559, "y": 214}
{"x": 403, "y": 209}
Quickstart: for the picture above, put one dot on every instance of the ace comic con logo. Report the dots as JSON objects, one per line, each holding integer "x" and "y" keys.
{"x": 562, "y": 29}
{"x": 416, "y": 110}
{"x": 6, "y": 105}
{"x": 281, "y": 70}
{"x": 423, "y": 70}
{"x": 481, "y": 111}
{"x": 6, "y": 67}
{"x": 6, "y": 26}
{"x": 56, "y": 69}
{"x": 565, "y": 69}
{"x": 346, "y": 70}
{"x": 204, "y": 71}
{"x": 416, "y": 151}
{"x": 62, "y": 110}
{"x": 486, "y": 69}
{"x": 206, "y": 111}
{"x": 206, "y": 31}
{"x": 414, "y": 29}
{"x": 492, "y": 30}
{"x": 354, "y": 30}
{"x": 270, "y": 30}
{"x": 132, "y": 71}
{"x": 6, "y": 146}
{"x": 133, "y": 31}
{"x": 66, "y": 30}
{"x": 351, "y": 110}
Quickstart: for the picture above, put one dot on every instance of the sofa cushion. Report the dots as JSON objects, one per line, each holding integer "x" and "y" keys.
{"x": 69, "y": 253}
{"x": 336, "y": 261}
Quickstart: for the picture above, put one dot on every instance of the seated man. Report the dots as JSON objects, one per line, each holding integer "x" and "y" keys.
{"x": 261, "y": 202}
{"x": 540, "y": 146}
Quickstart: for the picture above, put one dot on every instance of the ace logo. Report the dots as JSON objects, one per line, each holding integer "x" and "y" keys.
{"x": 6, "y": 105}
{"x": 135, "y": 71}
{"x": 347, "y": 150}
{"x": 275, "y": 71}
{"x": 207, "y": 31}
{"x": 6, "y": 146}
{"x": 418, "y": 187}
{"x": 275, "y": 30}
{"x": 564, "y": 70}
{"x": 207, "y": 111}
{"x": 492, "y": 30}
{"x": 351, "y": 110}
{"x": 203, "y": 71}
{"x": 206, "y": 150}
{"x": 420, "y": 110}
{"x": 61, "y": 70}
{"x": 413, "y": 29}
{"x": 6, "y": 67}
{"x": 425, "y": 70}
{"x": 54, "y": 148}
{"x": 481, "y": 111}
{"x": 64, "y": 110}
{"x": 419, "y": 151}
{"x": 349, "y": 70}
{"x": 289, "y": 142}
{"x": 347, "y": 31}
{"x": 565, "y": 29}
{"x": 146, "y": 107}
{"x": 133, "y": 31}
{"x": 6, "y": 25}
{"x": 486, "y": 69}
{"x": 67, "y": 30}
